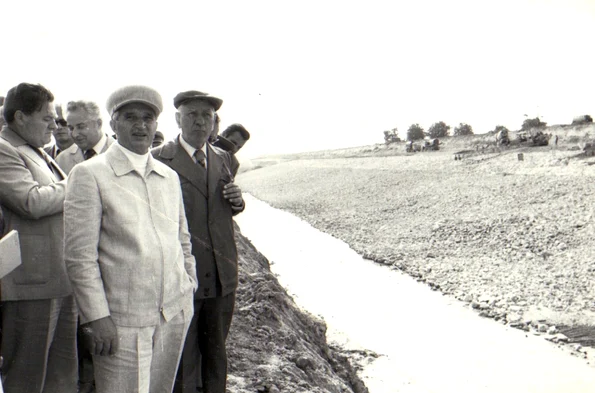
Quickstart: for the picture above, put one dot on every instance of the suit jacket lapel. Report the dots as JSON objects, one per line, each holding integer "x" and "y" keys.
{"x": 214, "y": 166}
{"x": 186, "y": 167}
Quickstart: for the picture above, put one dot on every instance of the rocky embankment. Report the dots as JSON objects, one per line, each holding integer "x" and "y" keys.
{"x": 512, "y": 238}
{"x": 274, "y": 346}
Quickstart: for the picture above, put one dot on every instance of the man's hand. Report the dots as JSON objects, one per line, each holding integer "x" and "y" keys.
{"x": 102, "y": 336}
{"x": 233, "y": 194}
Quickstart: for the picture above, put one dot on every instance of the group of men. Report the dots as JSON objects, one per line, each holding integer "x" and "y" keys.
{"x": 133, "y": 247}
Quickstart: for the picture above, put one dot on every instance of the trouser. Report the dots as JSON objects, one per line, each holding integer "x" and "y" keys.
{"x": 85, "y": 358}
{"x": 147, "y": 358}
{"x": 204, "y": 361}
{"x": 39, "y": 346}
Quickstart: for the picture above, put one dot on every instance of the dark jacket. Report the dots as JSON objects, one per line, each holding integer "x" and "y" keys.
{"x": 209, "y": 215}
{"x": 224, "y": 144}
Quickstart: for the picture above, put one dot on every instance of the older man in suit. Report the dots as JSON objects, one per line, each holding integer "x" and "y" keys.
{"x": 210, "y": 199}
{"x": 84, "y": 122}
{"x": 38, "y": 309}
{"x": 127, "y": 251}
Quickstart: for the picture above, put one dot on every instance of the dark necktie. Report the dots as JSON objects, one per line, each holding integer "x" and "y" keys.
{"x": 60, "y": 175}
{"x": 200, "y": 158}
{"x": 89, "y": 154}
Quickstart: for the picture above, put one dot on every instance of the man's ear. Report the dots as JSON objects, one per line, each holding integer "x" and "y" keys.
{"x": 112, "y": 124}
{"x": 178, "y": 119}
{"x": 99, "y": 122}
{"x": 19, "y": 117}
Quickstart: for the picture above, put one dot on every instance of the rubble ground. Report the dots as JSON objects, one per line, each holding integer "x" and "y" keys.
{"x": 273, "y": 346}
{"x": 513, "y": 238}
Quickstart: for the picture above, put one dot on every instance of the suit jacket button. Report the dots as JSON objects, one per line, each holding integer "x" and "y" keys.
{"x": 207, "y": 275}
{"x": 206, "y": 291}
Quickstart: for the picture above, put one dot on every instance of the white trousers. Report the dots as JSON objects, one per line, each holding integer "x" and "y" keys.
{"x": 147, "y": 358}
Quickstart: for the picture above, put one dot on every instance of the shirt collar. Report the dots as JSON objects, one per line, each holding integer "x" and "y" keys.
{"x": 98, "y": 148}
{"x": 191, "y": 150}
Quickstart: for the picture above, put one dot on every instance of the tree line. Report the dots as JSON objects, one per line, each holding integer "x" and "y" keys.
{"x": 441, "y": 129}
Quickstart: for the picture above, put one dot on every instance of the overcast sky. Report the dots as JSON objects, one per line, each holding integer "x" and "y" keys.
{"x": 310, "y": 75}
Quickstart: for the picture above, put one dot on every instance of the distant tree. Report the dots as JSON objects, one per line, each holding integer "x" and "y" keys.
{"x": 438, "y": 130}
{"x": 500, "y": 128}
{"x": 533, "y": 123}
{"x": 391, "y": 136}
{"x": 415, "y": 132}
{"x": 463, "y": 129}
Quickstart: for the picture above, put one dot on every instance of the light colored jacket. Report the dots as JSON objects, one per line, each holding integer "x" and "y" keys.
{"x": 126, "y": 244}
{"x": 32, "y": 198}
{"x": 74, "y": 155}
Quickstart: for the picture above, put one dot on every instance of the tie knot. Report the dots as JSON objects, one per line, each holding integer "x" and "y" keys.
{"x": 200, "y": 157}
{"x": 89, "y": 153}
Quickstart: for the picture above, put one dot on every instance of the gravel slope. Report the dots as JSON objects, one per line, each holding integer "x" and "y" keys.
{"x": 513, "y": 238}
{"x": 273, "y": 346}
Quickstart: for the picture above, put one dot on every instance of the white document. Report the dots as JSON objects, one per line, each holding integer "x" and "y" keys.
{"x": 10, "y": 254}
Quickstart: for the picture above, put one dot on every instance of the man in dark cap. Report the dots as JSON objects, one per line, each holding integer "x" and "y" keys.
{"x": 158, "y": 139}
{"x": 38, "y": 309}
{"x": 127, "y": 251}
{"x": 211, "y": 199}
{"x": 233, "y": 138}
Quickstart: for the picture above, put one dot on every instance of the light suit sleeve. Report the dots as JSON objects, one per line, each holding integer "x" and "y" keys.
{"x": 20, "y": 192}
{"x": 82, "y": 227}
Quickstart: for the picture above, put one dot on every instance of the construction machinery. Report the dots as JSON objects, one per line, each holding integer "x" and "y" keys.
{"x": 431, "y": 145}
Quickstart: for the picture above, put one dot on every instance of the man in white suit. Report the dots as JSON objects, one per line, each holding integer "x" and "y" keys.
{"x": 84, "y": 121}
{"x": 128, "y": 253}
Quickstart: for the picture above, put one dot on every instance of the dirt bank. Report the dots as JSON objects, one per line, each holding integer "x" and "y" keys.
{"x": 513, "y": 238}
{"x": 274, "y": 346}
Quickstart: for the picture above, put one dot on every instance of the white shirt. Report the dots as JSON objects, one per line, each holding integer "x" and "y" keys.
{"x": 98, "y": 148}
{"x": 139, "y": 161}
{"x": 191, "y": 150}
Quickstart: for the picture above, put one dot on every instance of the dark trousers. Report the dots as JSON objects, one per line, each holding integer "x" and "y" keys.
{"x": 204, "y": 359}
{"x": 85, "y": 359}
{"x": 39, "y": 346}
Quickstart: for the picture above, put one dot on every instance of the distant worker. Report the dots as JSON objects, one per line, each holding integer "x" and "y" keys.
{"x": 62, "y": 137}
{"x": 233, "y": 138}
{"x": 84, "y": 121}
{"x": 158, "y": 139}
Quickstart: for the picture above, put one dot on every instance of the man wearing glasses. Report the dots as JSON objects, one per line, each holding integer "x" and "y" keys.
{"x": 61, "y": 135}
{"x": 38, "y": 309}
{"x": 84, "y": 122}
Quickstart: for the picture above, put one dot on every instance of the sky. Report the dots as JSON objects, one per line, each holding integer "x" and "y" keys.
{"x": 313, "y": 75}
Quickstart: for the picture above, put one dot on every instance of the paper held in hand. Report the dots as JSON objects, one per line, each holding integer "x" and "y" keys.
{"x": 10, "y": 253}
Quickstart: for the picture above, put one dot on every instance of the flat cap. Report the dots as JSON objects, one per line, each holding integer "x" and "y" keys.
{"x": 191, "y": 95}
{"x": 129, "y": 94}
